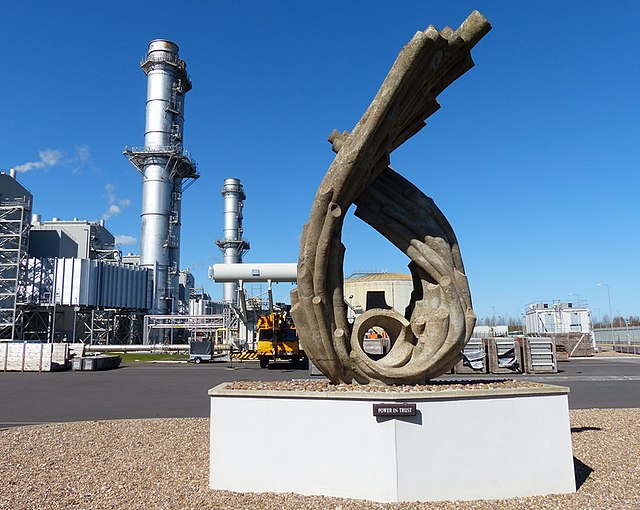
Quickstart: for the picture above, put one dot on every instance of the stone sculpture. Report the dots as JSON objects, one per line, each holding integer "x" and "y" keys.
{"x": 438, "y": 322}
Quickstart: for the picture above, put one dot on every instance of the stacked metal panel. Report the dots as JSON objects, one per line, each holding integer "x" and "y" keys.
{"x": 33, "y": 356}
{"x": 474, "y": 357}
{"x": 539, "y": 355}
{"x": 505, "y": 355}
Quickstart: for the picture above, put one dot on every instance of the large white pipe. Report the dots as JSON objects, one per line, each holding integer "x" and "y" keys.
{"x": 248, "y": 272}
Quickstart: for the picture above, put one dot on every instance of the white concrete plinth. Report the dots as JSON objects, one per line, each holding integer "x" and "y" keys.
{"x": 462, "y": 444}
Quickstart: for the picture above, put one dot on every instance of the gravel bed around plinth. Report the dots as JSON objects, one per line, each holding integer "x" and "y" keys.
{"x": 163, "y": 464}
{"x": 326, "y": 386}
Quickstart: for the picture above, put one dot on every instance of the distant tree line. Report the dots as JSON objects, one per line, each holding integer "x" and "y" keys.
{"x": 603, "y": 322}
{"x": 618, "y": 321}
{"x": 500, "y": 321}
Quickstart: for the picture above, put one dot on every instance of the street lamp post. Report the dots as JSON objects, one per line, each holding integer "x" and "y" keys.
{"x": 609, "y": 298}
{"x": 626, "y": 326}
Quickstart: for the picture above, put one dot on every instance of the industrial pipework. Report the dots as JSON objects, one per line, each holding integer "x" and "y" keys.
{"x": 232, "y": 245}
{"x": 261, "y": 272}
{"x": 165, "y": 167}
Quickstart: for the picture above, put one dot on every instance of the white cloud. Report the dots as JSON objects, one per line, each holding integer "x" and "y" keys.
{"x": 112, "y": 211}
{"x": 125, "y": 240}
{"x": 110, "y": 195}
{"x": 83, "y": 154}
{"x": 81, "y": 159}
{"x": 48, "y": 157}
{"x": 116, "y": 205}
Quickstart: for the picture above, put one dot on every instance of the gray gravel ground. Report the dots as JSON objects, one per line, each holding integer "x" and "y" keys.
{"x": 327, "y": 387}
{"x": 163, "y": 464}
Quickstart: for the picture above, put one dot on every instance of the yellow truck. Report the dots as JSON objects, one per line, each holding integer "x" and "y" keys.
{"x": 277, "y": 339}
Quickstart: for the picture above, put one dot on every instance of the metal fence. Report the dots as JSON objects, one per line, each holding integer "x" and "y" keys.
{"x": 618, "y": 336}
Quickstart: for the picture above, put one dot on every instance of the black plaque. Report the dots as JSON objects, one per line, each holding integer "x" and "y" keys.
{"x": 394, "y": 410}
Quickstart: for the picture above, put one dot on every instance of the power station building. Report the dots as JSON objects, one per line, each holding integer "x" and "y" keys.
{"x": 62, "y": 280}
{"x": 65, "y": 280}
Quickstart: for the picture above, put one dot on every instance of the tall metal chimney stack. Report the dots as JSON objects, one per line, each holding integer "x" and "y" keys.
{"x": 232, "y": 245}
{"x": 165, "y": 167}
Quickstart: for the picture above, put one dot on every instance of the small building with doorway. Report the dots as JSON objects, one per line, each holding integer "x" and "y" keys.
{"x": 364, "y": 291}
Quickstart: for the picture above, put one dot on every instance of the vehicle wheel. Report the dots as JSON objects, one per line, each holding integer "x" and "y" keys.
{"x": 264, "y": 362}
{"x": 295, "y": 361}
{"x": 197, "y": 360}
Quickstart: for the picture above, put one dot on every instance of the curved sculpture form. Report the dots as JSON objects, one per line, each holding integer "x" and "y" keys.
{"x": 439, "y": 319}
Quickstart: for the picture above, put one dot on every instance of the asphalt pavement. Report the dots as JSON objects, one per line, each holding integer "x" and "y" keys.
{"x": 164, "y": 390}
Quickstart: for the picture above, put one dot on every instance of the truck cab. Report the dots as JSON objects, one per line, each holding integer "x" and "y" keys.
{"x": 277, "y": 339}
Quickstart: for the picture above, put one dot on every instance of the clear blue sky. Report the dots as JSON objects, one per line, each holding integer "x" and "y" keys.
{"x": 533, "y": 156}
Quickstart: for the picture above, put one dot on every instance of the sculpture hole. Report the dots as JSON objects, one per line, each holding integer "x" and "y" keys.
{"x": 376, "y": 342}
{"x": 376, "y": 331}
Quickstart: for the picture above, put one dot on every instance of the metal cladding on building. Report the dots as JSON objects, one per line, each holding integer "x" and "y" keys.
{"x": 232, "y": 245}
{"x": 72, "y": 239}
{"x": 165, "y": 168}
{"x": 99, "y": 283}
